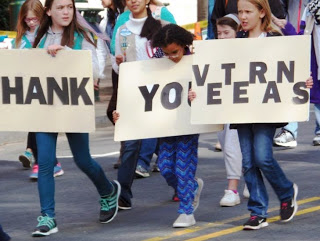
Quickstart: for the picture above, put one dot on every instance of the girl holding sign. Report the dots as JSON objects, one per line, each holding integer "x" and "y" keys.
{"x": 58, "y": 31}
{"x": 178, "y": 155}
{"x": 29, "y": 19}
{"x": 256, "y": 139}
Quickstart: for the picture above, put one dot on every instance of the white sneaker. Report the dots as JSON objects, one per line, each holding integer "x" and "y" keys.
{"x": 246, "y": 193}
{"x": 184, "y": 221}
{"x": 285, "y": 138}
{"x": 229, "y": 199}
{"x": 196, "y": 199}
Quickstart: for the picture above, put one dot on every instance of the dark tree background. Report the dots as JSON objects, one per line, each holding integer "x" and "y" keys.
{"x": 4, "y": 15}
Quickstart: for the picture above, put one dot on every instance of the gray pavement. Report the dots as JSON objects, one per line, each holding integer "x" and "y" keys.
{"x": 153, "y": 211}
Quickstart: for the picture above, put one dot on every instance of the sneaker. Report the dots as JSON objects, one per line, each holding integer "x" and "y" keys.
{"x": 184, "y": 221}
{"x": 45, "y": 227}
{"x": 316, "y": 140}
{"x": 255, "y": 222}
{"x": 109, "y": 205}
{"x": 285, "y": 138}
{"x": 175, "y": 197}
{"x": 197, "y": 194}
{"x": 57, "y": 171}
{"x": 288, "y": 209}
{"x": 142, "y": 172}
{"x": 34, "y": 172}
{"x": 122, "y": 205}
{"x": 218, "y": 147}
{"x": 230, "y": 199}
{"x": 26, "y": 159}
{"x": 246, "y": 193}
{"x": 155, "y": 168}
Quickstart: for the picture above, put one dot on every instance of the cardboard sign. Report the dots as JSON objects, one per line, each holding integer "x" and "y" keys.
{"x": 260, "y": 80}
{"x": 41, "y": 93}
{"x": 153, "y": 100}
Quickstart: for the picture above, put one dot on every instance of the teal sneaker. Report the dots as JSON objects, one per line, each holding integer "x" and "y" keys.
{"x": 45, "y": 227}
{"x": 26, "y": 159}
{"x": 109, "y": 205}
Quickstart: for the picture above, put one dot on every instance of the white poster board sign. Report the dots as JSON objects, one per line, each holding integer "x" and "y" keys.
{"x": 260, "y": 80}
{"x": 41, "y": 93}
{"x": 153, "y": 100}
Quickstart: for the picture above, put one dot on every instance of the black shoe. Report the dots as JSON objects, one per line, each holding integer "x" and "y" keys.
{"x": 255, "y": 222}
{"x": 109, "y": 205}
{"x": 124, "y": 205}
{"x": 288, "y": 209}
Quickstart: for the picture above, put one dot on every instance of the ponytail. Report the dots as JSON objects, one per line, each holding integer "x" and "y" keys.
{"x": 150, "y": 27}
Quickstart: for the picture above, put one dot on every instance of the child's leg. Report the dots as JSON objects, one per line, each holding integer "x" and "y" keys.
{"x": 186, "y": 165}
{"x": 46, "y": 143}
{"x": 79, "y": 144}
{"x": 166, "y": 160}
{"x": 258, "y": 201}
{"x": 263, "y": 155}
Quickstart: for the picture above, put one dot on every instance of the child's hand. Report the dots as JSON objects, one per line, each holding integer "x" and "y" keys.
{"x": 281, "y": 23}
{"x": 119, "y": 59}
{"x": 53, "y": 49}
{"x": 192, "y": 95}
{"x": 309, "y": 82}
{"x": 115, "y": 116}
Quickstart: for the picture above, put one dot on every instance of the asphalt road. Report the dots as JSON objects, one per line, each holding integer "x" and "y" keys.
{"x": 153, "y": 211}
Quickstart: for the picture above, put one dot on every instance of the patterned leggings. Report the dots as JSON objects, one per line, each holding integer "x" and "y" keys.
{"x": 178, "y": 159}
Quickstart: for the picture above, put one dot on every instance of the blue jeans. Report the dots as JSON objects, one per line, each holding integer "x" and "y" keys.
{"x": 126, "y": 171}
{"x": 257, "y": 157}
{"x": 79, "y": 144}
{"x": 147, "y": 148}
{"x": 292, "y": 127}
{"x": 317, "y": 114}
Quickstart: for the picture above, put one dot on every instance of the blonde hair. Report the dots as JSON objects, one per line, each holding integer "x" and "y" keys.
{"x": 36, "y": 7}
{"x": 266, "y": 22}
{"x": 156, "y": 2}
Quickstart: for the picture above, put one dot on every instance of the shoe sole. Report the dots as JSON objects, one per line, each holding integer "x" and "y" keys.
{"x": 183, "y": 225}
{"x": 26, "y": 163}
{"x": 117, "y": 206}
{"x": 262, "y": 225}
{"x": 140, "y": 174}
{"x": 230, "y": 204}
{"x": 39, "y": 234}
{"x": 198, "y": 194}
{"x": 60, "y": 173}
{"x": 291, "y": 144}
{"x": 295, "y": 187}
{"x": 33, "y": 178}
{"x": 124, "y": 208}
{"x": 316, "y": 143}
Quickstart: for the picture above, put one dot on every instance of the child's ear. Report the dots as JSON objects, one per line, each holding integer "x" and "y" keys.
{"x": 262, "y": 13}
{"x": 48, "y": 12}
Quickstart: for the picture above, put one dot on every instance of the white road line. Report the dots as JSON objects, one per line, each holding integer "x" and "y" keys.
{"x": 95, "y": 155}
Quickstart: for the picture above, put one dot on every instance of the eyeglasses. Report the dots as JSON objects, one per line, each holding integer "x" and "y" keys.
{"x": 29, "y": 20}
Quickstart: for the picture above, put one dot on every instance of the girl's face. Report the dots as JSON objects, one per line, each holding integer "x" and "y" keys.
{"x": 61, "y": 13}
{"x": 106, "y": 3}
{"x": 137, "y": 8}
{"x": 249, "y": 15}
{"x": 32, "y": 21}
{"x": 174, "y": 52}
{"x": 225, "y": 32}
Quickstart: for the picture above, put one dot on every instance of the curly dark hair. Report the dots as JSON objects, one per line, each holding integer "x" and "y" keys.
{"x": 118, "y": 9}
{"x": 172, "y": 33}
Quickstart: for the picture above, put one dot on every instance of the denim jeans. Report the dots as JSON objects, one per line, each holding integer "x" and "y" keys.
{"x": 256, "y": 147}
{"x": 79, "y": 144}
{"x": 292, "y": 127}
{"x": 126, "y": 171}
{"x": 147, "y": 148}
{"x": 317, "y": 114}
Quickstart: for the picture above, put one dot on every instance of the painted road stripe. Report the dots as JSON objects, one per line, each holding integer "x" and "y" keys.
{"x": 95, "y": 155}
{"x": 240, "y": 228}
{"x": 223, "y": 222}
